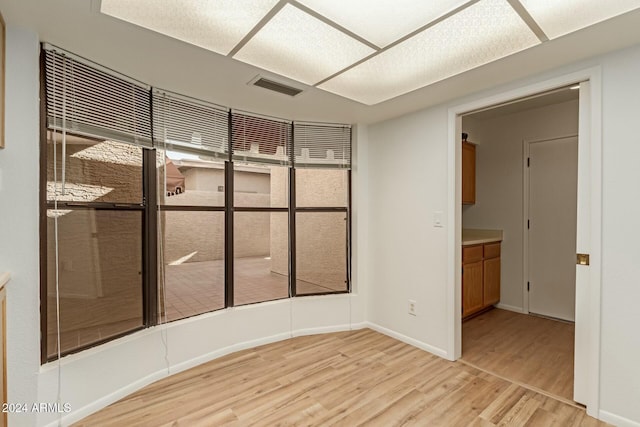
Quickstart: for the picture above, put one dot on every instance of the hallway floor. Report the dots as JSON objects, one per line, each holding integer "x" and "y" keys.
{"x": 527, "y": 349}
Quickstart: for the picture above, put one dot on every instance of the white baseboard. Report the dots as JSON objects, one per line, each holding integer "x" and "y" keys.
{"x": 617, "y": 420}
{"x": 107, "y": 400}
{"x": 411, "y": 341}
{"x": 511, "y": 308}
{"x": 328, "y": 329}
{"x": 188, "y": 364}
{"x": 360, "y": 325}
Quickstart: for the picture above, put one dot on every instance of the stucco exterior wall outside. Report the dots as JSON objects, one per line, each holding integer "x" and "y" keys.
{"x": 321, "y": 236}
{"x": 99, "y": 251}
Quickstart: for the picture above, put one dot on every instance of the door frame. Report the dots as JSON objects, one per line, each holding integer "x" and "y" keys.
{"x": 526, "y": 146}
{"x": 454, "y": 213}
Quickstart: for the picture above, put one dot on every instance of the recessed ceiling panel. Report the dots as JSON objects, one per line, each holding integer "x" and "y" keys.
{"x": 560, "y": 17}
{"x": 382, "y": 22}
{"x": 299, "y": 46}
{"x": 214, "y": 25}
{"x": 482, "y": 33}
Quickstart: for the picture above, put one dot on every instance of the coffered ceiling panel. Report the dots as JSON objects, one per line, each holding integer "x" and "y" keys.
{"x": 366, "y": 50}
{"x": 484, "y": 32}
{"x": 385, "y": 21}
{"x": 214, "y": 25}
{"x": 299, "y": 46}
{"x": 557, "y": 18}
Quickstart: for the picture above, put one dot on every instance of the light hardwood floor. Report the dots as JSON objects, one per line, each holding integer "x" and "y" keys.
{"x": 522, "y": 348}
{"x": 344, "y": 379}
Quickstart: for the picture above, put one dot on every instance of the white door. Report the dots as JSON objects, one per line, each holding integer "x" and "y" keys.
{"x": 553, "y": 181}
{"x": 587, "y": 345}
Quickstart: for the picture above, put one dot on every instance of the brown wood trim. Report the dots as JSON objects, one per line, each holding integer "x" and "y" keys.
{"x": 477, "y": 313}
{"x": 95, "y": 343}
{"x": 293, "y": 289}
{"x": 42, "y": 199}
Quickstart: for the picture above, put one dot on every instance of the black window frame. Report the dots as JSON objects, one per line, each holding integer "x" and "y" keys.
{"x": 150, "y": 209}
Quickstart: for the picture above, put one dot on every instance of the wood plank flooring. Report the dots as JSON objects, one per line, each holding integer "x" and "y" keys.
{"x": 339, "y": 379}
{"x": 522, "y": 348}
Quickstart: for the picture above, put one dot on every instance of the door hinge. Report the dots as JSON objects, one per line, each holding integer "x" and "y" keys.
{"x": 528, "y": 284}
{"x": 528, "y": 161}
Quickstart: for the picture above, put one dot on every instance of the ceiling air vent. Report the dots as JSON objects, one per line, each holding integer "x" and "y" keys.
{"x": 275, "y": 86}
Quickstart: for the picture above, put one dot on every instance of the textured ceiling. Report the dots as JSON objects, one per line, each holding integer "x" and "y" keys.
{"x": 367, "y": 51}
{"x": 168, "y": 63}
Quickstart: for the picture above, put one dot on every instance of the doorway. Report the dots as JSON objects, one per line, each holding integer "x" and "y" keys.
{"x": 532, "y": 205}
{"x": 588, "y": 238}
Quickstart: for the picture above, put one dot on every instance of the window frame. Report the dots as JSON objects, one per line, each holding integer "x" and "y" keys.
{"x": 293, "y": 231}
{"x": 150, "y": 208}
{"x": 149, "y": 244}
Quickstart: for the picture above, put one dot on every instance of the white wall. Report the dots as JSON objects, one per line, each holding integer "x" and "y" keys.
{"x": 499, "y": 181}
{"x": 620, "y": 374}
{"x": 19, "y": 218}
{"x": 407, "y": 256}
{"x": 407, "y": 184}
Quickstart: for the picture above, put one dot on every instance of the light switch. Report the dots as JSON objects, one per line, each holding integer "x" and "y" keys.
{"x": 437, "y": 219}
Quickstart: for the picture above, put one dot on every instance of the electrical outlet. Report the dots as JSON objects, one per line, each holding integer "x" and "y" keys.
{"x": 412, "y": 307}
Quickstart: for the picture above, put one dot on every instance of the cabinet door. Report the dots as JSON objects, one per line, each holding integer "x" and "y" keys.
{"x": 468, "y": 173}
{"x": 472, "y": 296}
{"x": 491, "y": 278}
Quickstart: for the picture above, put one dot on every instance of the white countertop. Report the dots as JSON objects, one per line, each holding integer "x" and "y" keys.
{"x": 475, "y": 236}
{"x": 4, "y": 278}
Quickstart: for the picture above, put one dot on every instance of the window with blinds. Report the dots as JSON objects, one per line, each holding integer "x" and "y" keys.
{"x": 87, "y": 99}
{"x": 257, "y": 139}
{"x": 146, "y": 175}
{"x": 322, "y": 145}
{"x": 188, "y": 124}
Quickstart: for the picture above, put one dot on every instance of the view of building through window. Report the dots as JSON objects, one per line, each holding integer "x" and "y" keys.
{"x": 93, "y": 246}
{"x": 99, "y": 192}
{"x": 157, "y": 207}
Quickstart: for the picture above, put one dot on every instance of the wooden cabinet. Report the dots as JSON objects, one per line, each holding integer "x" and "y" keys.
{"x": 491, "y": 274}
{"x": 480, "y": 277}
{"x": 472, "y": 297}
{"x": 468, "y": 173}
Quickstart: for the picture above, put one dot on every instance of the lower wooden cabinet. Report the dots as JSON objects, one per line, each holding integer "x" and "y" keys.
{"x": 472, "y": 296}
{"x": 480, "y": 277}
{"x": 491, "y": 281}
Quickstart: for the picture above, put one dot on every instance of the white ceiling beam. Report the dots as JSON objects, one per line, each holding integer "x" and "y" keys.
{"x": 258, "y": 27}
{"x": 528, "y": 19}
{"x": 333, "y": 24}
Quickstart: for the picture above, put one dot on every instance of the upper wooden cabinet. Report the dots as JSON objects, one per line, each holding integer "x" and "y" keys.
{"x": 468, "y": 173}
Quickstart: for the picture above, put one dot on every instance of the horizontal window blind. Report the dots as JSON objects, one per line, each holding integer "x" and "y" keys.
{"x": 190, "y": 125}
{"x": 87, "y": 99}
{"x": 258, "y": 139}
{"x": 322, "y": 145}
